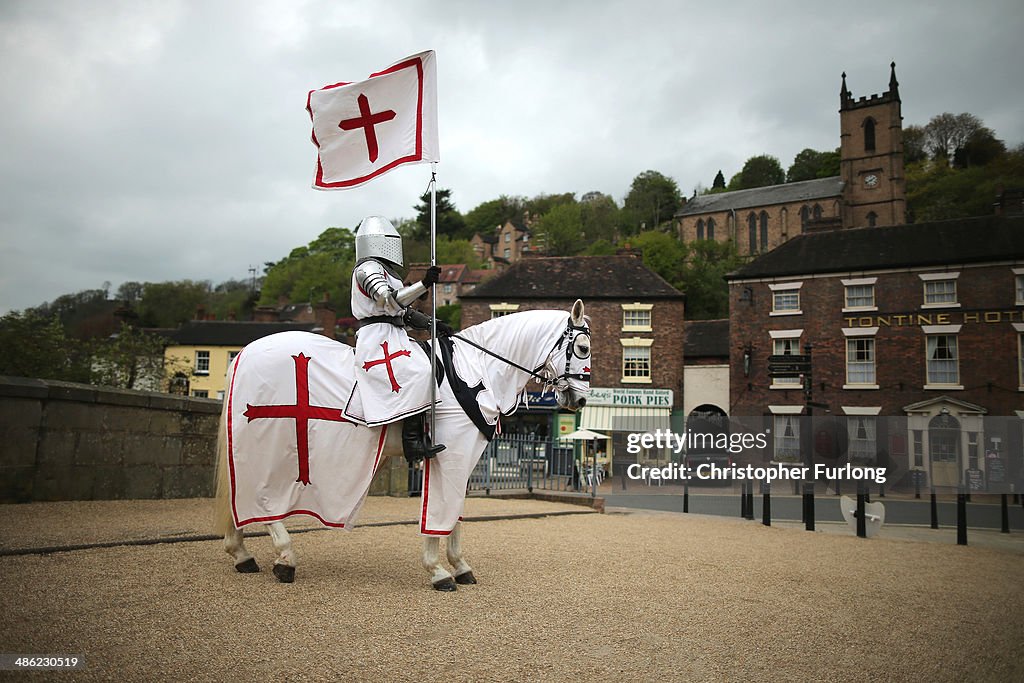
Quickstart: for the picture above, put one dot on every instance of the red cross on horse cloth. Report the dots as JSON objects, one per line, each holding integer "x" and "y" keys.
{"x": 284, "y": 414}
{"x": 365, "y": 129}
{"x": 301, "y": 411}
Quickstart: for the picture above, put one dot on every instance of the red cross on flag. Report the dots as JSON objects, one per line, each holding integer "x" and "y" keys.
{"x": 365, "y": 129}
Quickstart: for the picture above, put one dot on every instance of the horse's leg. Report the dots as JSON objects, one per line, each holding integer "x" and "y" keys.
{"x": 440, "y": 577}
{"x": 463, "y": 572}
{"x": 234, "y": 545}
{"x": 284, "y": 565}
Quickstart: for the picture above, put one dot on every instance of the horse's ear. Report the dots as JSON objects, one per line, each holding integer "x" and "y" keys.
{"x": 577, "y": 313}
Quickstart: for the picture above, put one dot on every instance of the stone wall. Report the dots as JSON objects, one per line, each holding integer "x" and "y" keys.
{"x": 64, "y": 441}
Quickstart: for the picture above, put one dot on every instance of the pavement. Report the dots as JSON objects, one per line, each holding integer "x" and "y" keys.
{"x": 564, "y": 593}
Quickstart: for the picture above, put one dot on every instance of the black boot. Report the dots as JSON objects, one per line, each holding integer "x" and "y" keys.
{"x": 415, "y": 441}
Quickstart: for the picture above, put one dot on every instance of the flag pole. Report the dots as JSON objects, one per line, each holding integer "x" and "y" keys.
{"x": 433, "y": 300}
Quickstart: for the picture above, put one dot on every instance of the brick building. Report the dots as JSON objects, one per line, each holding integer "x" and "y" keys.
{"x": 456, "y": 280}
{"x": 917, "y": 343}
{"x": 869, "y": 190}
{"x": 506, "y": 245}
{"x": 636, "y": 322}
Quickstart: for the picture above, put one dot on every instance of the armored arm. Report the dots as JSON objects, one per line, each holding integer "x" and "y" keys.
{"x": 373, "y": 279}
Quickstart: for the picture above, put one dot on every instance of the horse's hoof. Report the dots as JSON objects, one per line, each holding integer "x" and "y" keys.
{"x": 445, "y": 585}
{"x": 465, "y": 579}
{"x": 247, "y": 567}
{"x": 284, "y": 573}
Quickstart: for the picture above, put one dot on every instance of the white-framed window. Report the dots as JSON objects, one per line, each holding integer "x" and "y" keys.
{"x": 943, "y": 359}
{"x": 786, "y": 298}
{"x": 785, "y": 343}
{"x": 231, "y": 357}
{"x": 860, "y": 361}
{"x": 508, "y": 253}
{"x": 200, "y": 393}
{"x": 220, "y": 394}
{"x": 447, "y": 289}
{"x": 940, "y": 290}
{"x": 636, "y": 360}
{"x": 202, "y": 363}
{"x": 498, "y": 310}
{"x": 636, "y": 317}
{"x": 508, "y": 237}
{"x": 862, "y": 445}
{"x": 859, "y": 294}
{"x": 918, "y": 448}
{"x": 787, "y": 438}
{"x": 1018, "y": 278}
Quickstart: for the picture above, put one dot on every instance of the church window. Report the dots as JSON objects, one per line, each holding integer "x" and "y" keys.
{"x": 711, "y": 228}
{"x": 872, "y": 219}
{"x": 700, "y": 228}
{"x": 805, "y": 214}
{"x": 869, "y": 135}
{"x": 764, "y": 231}
{"x": 817, "y": 211}
{"x": 752, "y": 230}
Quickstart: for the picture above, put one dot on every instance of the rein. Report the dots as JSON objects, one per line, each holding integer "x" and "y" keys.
{"x": 502, "y": 358}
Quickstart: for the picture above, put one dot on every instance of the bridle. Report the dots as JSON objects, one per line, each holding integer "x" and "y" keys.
{"x": 559, "y": 382}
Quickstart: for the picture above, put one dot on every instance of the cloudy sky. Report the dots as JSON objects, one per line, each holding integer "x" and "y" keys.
{"x": 165, "y": 140}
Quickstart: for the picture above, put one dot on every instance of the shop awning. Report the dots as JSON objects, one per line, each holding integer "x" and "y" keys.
{"x": 624, "y": 419}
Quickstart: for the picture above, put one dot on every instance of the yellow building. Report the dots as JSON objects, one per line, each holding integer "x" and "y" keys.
{"x": 203, "y": 349}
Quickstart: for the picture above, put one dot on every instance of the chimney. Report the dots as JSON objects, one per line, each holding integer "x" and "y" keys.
{"x": 200, "y": 313}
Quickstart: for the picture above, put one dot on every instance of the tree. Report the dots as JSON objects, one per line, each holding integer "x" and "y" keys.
{"x": 662, "y": 253}
{"x": 915, "y": 144}
{"x": 652, "y": 200}
{"x": 810, "y": 164}
{"x": 169, "y": 304}
{"x": 719, "y": 181}
{"x": 542, "y": 203}
{"x": 448, "y": 219}
{"x": 761, "y": 171}
{"x": 130, "y": 293}
{"x": 35, "y": 346}
{"x": 487, "y": 216}
{"x": 322, "y": 267}
{"x": 946, "y": 133}
{"x": 599, "y": 216}
{"x": 981, "y": 148}
{"x": 130, "y": 359}
{"x": 560, "y": 230}
{"x": 707, "y": 293}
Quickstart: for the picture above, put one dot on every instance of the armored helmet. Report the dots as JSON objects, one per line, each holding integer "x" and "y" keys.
{"x": 377, "y": 238}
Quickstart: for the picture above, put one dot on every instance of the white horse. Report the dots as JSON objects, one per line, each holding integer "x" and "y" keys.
{"x": 486, "y": 369}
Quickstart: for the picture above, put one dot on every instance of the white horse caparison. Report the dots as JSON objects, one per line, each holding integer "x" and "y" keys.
{"x": 548, "y": 345}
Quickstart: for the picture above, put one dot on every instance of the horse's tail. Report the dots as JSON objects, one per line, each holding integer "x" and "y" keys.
{"x": 222, "y": 519}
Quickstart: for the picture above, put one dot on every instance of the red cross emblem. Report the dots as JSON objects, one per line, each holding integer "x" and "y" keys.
{"x": 386, "y": 360}
{"x": 300, "y": 411}
{"x": 367, "y": 121}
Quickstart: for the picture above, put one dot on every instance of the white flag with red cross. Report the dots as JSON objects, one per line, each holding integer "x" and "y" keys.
{"x": 363, "y": 130}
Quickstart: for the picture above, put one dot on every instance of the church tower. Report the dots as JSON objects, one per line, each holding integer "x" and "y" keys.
{"x": 871, "y": 157}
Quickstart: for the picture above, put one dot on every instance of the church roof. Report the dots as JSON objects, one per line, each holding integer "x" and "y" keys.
{"x": 230, "y": 332}
{"x": 588, "y": 277}
{"x": 806, "y": 190}
{"x": 941, "y": 243}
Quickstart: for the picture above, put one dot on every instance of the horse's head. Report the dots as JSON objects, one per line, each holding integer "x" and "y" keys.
{"x": 568, "y": 364}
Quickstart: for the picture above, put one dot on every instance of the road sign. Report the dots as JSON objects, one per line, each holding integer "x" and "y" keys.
{"x": 789, "y": 358}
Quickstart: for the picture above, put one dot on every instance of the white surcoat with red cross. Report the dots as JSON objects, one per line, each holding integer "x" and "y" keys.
{"x": 392, "y": 371}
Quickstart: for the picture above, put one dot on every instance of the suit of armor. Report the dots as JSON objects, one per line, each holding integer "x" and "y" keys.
{"x": 392, "y": 371}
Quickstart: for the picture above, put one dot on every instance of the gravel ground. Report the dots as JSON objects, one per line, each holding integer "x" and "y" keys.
{"x": 615, "y": 597}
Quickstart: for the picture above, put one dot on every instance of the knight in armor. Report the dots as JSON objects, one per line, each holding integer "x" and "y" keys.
{"x": 393, "y": 371}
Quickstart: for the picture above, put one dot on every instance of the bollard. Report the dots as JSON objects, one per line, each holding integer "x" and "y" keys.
{"x": 766, "y": 504}
{"x": 743, "y": 500}
{"x": 749, "y": 495}
{"x": 961, "y": 517}
{"x": 809, "y": 505}
{"x": 935, "y": 510}
{"x": 862, "y": 523}
{"x": 1006, "y": 514}
{"x": 686, "y": 495}
{"x": 881, "y": 490}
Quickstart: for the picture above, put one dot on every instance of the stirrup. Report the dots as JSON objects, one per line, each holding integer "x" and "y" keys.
{"x": 416, "y": 444}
